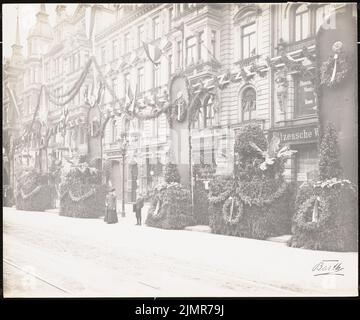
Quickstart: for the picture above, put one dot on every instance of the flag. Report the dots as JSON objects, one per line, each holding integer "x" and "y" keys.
{"x": 89, "y": 21}
{"x": 128, "y": 96}
{"x": 13, "y": 100}
{"x": 153, "y": 53}
{"x": 132, "y": 105}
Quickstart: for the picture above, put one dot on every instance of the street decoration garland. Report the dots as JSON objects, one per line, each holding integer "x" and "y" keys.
{"x": 260, "y": 201}
{"x": 220, "y": 198}
{"x": 82, "y": 197}
{"x": 30, "y": 194}
{"x": 336, "y": 68}
{"x": 176, "y": 110}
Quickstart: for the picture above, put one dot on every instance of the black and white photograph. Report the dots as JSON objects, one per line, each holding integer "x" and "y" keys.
{"x": 180, "y": 150}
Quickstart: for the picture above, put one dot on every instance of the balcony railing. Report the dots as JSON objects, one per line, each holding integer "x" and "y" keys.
{"x": 298, "y": 45}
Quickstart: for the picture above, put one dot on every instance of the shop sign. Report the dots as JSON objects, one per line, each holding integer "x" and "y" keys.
{"x": 297, "y": 134}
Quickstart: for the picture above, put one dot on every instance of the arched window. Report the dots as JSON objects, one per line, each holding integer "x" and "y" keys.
{"x": 248, "y": 104}
{"x": 302, "y": 23}
{"x": 206, "y": 116}
{"x": 320, "y": 15}
{"x": 114, "y": 131}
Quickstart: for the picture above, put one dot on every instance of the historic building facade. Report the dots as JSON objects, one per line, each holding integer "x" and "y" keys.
{"x": 271, "y": 47}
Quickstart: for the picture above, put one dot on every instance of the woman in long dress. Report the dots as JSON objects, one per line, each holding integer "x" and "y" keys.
{"x": 110, "y": 214}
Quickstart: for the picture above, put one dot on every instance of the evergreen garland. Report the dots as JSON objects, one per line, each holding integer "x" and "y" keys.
{"x": 329, "y": 164}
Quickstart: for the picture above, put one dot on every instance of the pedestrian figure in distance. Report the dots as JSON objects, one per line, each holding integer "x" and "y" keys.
{"x": 137, "y": 208}
{"x": 110, "y": 214}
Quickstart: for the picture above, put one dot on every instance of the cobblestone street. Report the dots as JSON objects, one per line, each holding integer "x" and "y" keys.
{"x": 49, "y": 255}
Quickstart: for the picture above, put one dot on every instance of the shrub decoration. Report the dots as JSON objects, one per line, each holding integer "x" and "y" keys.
{"x": 33, "y": 191}
{"x": 170, "y": 206}
{"x": 172, "y": 173}
{"x": 329, "y": 164}
{"x": 256, "y": 202}
{"x": 81, "y": 193}
{"x": 326, "y": 210}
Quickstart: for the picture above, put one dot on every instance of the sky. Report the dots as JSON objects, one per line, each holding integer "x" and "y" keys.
{"x": 27, "y": 19}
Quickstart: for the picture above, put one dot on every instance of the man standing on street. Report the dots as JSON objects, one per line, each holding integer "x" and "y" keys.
{"x": 137, "y": 208}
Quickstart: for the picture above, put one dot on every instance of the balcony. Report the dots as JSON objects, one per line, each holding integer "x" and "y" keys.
{"x": 210, "y": 66}
{"x": 299, "y": 45}
{"x": 247, "y": 62}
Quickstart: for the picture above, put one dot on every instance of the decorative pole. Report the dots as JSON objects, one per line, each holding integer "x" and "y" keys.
{"x": 123, "y": 154}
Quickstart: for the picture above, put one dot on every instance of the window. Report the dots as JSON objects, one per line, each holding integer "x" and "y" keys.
{"x": 320, "y": 16}
{"x": 156, "y": 25}
{"x": 115, "y": 85}
{"x": 127, "y": 42}
{"x": 170, "y": 18}
{"x": 169, "y": 66}
{"x": 213, "y": 43}
{"x": 126, "y": 82}
{"x": 103, "y": 55}
{"x": 141, "y": 79}
{"x": 115, "y": 47}
{"x": 302, "y": 21}
{"x": 209, "y": 113}
{"x": 157, "y": 76}
{"x": 78, "y": 61}
{"x": 154, "y": 127}
{"x": 206, "y": 113}
{"x": 141, "y": 35}
{"x": 190, "y": 50}
{"x": 248, "y": 40}
{"x": 114, "y": 131}
{"x": 306, "y": 160}
{"x": 47, "y": 73}
{"x": 200, "y": 45}
{"x": 178, "y": 54}
{"x": 248, "y": 104}
{"x": 82, "y": 135}
{"x": 304, "y": 98}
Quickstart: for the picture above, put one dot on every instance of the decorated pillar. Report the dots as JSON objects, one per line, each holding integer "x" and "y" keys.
{"x": 179, "y": 126}
{"x": 336, "y": 53}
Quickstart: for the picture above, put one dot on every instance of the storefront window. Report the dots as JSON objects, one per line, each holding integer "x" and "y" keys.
{"x": 306, "y": 163}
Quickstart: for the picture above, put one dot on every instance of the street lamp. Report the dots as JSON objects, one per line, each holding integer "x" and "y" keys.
{"x": 123, "y": 150}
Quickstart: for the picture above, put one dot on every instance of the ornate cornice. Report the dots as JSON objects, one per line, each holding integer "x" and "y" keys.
{"x": 127, "y": 20}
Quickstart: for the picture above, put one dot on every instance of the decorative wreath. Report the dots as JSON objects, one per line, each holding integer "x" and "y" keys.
{"x": 179, "y": 118}
{"x": 158, "y": 213}
{"x": 233, "y": 210}
{"x": 305, "y": 209}
{"x": 327, "y": 69}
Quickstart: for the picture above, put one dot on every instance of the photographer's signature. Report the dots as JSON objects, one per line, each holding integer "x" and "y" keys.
{"x": 328, "y": 267}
